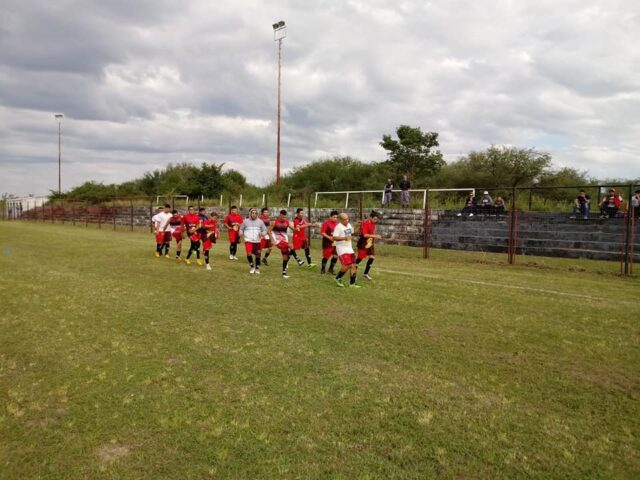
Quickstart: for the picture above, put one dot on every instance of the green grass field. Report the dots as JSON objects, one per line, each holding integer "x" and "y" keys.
{"x": 117, "y": 365}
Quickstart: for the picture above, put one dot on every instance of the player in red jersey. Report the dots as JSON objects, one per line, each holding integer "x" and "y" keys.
{"x": 192, "y": 224}
{"x": 209, "y": 233}
{"x": 161, "y": 228}
{"x": 233, "y": 221}
{"x": 265, "y": 244}
{"x": 176, "y": 227}
{"x": 328, "y": 250}
{"x": 300, "y": 240}
{"x": 278, "y": 232}
{"x": 366, "y": 241}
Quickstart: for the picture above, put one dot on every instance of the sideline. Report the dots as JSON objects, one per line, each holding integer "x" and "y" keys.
{"x": 493, "y": 284}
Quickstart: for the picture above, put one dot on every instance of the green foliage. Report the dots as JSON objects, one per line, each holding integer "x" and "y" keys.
{"x": 412, "y": 153}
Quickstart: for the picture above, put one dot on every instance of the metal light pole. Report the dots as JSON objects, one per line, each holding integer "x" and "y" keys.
{"x": 59, "y": 117}
{"x": 279, "y": 33}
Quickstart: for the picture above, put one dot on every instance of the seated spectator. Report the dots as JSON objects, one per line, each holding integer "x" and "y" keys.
{"x": 582, "y": 205}
{"x": 485, "y": 204}
{"x": 610, "y": 204}
{"x": 499, "y": 207}
{"x": 635, "y": 204}
{"x": 469, "y": 205}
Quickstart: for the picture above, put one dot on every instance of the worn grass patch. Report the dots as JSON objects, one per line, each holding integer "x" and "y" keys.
{"x": 115, "y": 364}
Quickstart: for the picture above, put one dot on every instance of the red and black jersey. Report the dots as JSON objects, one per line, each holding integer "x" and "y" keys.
{"x": 176, "y": 222}
{"x": 191, "y": 221}
{"x": 367, "y": 228}
{"x": 210, "y": 229}
{"x": 230, "y": 219}
{"x": 327, "y": 228}
{"x": 266, "y": 219}
{"x": 281, "y": 225}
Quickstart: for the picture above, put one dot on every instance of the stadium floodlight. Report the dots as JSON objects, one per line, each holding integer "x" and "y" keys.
{"x": 279, "y": 32}
{"x": 59, "y": 117}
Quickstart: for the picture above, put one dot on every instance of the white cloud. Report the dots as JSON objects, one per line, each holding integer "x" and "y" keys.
{"x": 154, "y": 82}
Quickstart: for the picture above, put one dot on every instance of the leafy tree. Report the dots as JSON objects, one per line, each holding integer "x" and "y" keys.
{"x": 210, "y": 180}
{"x": 412, "y": 153}
{"x": 234, "y": 181}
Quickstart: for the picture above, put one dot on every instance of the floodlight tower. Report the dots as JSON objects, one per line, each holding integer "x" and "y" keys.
{"x": 279, "y": 33}
{"x": 59, "y": 117}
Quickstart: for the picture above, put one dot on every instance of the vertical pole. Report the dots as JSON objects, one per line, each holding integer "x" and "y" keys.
{"x": 315, "y": 203}
{"x": 173, "y": 202}
{"x": 59, "y": 158}
{"x": 512, "y": 219}
{"x": 43, "y": 213}
{"x": 64, "y": 211}
{"x": 279, "y": 116}
{"x": 100, "y": 216}
{"x": 426, "y": 226}
{"x": 114, "y": 214}
{"x": 86, "y": 216}
{"x": 360, "y": 206}
{"x": 131, "y": 206}
{"x": 266, "y": 200}
{"x": 73, "y": 213}
{"x": 309, "y": 217}
{"x": 150, "y": 215}
{"x": 288, "y": 200}
{"x": 530, "y": 198}
{"x": 627, "y": 237}
{"x": 263, "y": 196}
{"x": 51, "y": 210}
{"x": 220, "y": 201}
{"x": 424, "y": 199}
{"x": 240, "y": 205}
{"x": 346, "y": 201}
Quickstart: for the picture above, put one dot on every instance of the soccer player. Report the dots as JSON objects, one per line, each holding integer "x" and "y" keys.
{"x": 266, "y": 242}
{"x": 209, "y": 233}
{"x": 253, "y": 230}
{"x": 192, "y": 225}
{"x": 342, "y": 234}
{"x": 159, "y": 238}
{"x": 366, "y": 241}
{"x": 300, "y": 240}
{"x": 176, "y": 227}
{"x": 202, "y": 213}
{"x": 278, "y": 233}
{"x": 328, "y": 250}
{"x": 233, "y": 221}
{"x": 163, "y": 235}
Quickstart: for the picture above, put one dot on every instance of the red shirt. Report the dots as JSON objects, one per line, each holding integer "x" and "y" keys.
{"x": 367, "y": 228}
{"x": 177, "y": 223}
{"x": 300, "y": 234}
{"x": 327, "y": 228}
{"x": 230, "y": 219}
{"x": 266, "y": 219}
{"x": 191, "y": 220}
{"x": 211, "y": 225}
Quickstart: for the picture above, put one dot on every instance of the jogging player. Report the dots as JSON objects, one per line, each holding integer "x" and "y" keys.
{"x": 163, "y": 235}
{"x": 366, "y": 241}
{"x": 300, "y": 240}
{"x": 209, "y": 233}
{"x": 176, "y": 227}
{"x": 266, "y": 242}
{"x": 342, "y": 235}
{"x": 328, "y": 250}
{"x": 278, "y": 233}
{"x": 192, "y": 225}
{"x": 253, "y": 231}
{"x": 233, "y": 221}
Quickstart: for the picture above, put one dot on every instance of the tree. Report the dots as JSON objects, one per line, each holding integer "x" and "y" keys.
{"x": 412, "y": 153}
{"x": 210, "y": 180}
{"x": 234, "y": 181}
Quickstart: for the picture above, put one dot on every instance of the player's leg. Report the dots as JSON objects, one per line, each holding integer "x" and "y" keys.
{"x": 285, "y": 260}
{"x": 343, "y": 270}
{"x": 332, "y": 264}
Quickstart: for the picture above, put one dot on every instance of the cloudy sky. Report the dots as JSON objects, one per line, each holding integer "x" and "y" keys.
{"x": 147, "y": 82}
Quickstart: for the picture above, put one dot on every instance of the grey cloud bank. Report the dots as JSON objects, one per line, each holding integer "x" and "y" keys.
{"x": 156, "y": 82}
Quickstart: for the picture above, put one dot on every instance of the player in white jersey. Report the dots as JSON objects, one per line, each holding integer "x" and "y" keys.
{"x": 342, "y": 234}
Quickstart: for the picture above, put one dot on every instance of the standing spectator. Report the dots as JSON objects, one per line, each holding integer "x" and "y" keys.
{"x": 388, "y": 189}
{"x": 485, "y": 204}
{"x": 582, "y": 205}
{"x": 405, "y": 186}
{"x": 635, "y": 204}
{"x": 499, "y": 207}
{"x": 469, "y": 205}
{"x": 610, "y": 204}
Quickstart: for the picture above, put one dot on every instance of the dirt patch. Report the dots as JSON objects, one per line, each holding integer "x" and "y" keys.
{"x": 110, "y": 453}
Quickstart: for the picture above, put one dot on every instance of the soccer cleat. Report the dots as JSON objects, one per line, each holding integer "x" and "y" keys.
{"x": 265, "y": 262}
{"x": 166, "y": 255}
{"x": 230, "y": 257}
{"x": 200, "y": 262}
{"x": 187, "y": 261}
{"x": 339, "y": 282}
{"x": 354, "y": 285}
{"x": 157, "y": 254}
{"x": 235, "y": 258}
{"x": 471, "y": 214}
{"x": 367, "y": 276}
{"x": 178, "y": 259}
{"x": 253, "y": 270}
{"x": 257, "y": 271}
{"x": 311, "y": 265}
{"x": 208, "y": 267}
{"x": 285, "y": 274}
{"x": 300, "y": 263}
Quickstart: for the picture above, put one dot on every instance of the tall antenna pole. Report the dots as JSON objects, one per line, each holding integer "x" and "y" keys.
{"x": 59, "y": 117}
{"x": 279, "y": 114}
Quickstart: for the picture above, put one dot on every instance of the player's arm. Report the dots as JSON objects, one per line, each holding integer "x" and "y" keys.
{"x": 323, "y": 232}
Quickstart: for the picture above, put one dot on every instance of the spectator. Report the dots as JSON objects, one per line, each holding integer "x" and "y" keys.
{"x": 405, "y": 186}
{"x": 610, "y": 204}
{"x": 582, "y": 205}
{"x": 635, "y": 204}
{"x": 499, "y": 207}
{"x": 388, "y": 189}
{"x": 485, "y": 204}
{"x": 469, "y": 205}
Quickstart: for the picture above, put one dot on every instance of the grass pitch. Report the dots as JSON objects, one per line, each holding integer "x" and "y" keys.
{"x": 115, "y": 364}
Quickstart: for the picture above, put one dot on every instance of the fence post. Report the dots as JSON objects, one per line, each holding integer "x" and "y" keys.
{"x": 288, "y": 200}
{"x": 100, "y": 216}
{"x": 346, "y": 201}
{"x": 86, "y": 216}
{"x": 114, "y": 214}
{"x": 309, "y": 217}
{"x": 426, "y": 226}
{"x": 530, "y": 197}
{"x": 360, "y": 206}
{"x": 627, "y": 236}
{"x": 266, "y": 200}
{"x": 240, "y": 204}
{"x": 64, "y": 212}
{"x": 150, "y": 215}
{"x": 73, "y": 214}
{"x": 512, "y": 219}
{"x": 131, "y": 203}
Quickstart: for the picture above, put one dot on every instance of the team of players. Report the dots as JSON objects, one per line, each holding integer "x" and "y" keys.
{"x": 261, "y": 234}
